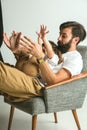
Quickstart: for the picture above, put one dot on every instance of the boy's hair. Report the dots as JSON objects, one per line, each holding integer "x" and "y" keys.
{"x": 78, "y": 30}
{"x": 55, "y": 49}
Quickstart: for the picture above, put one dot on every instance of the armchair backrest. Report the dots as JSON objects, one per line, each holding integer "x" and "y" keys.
{"x": 83, "y": 52}
{"x": 70, "y": 95}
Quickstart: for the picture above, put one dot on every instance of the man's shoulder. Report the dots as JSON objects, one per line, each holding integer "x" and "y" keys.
{"x": 73, "y": 54}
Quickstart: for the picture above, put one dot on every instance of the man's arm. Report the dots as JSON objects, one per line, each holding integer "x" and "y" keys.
{"x": 51, "y": 77}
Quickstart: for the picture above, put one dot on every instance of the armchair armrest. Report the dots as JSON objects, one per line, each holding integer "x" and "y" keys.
{"x": 77, "y": 77}
{"x": 66, "y": 95}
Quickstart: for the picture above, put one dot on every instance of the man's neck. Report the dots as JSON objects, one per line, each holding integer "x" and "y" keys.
{"x": 72, "y": 48}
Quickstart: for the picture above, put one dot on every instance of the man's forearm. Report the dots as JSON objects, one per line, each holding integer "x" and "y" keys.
{"x": 47, "y": 73}
{"x": 51, "y": 77}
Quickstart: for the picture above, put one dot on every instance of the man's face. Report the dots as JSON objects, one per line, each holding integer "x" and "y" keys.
{"x": 65, "y": 40}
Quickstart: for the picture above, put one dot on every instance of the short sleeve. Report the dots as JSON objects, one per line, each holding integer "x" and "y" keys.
{"x": 73, "y": 63}
{"x": 54, "y": 60}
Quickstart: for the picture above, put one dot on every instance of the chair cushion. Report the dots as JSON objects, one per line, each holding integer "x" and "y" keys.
{"x": 32, "y": 106}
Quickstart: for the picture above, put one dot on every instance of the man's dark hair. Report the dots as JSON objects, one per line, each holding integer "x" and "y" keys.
{"x": 78, "y": 30}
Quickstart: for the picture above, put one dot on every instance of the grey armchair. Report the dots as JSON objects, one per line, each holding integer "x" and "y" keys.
{"x": 67, "y": 95}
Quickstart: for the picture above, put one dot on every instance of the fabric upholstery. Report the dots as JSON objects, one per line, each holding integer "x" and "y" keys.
{"x": 66, "y": 97}
{"x": 32, "y": 106}
{"x": 83, "y": 52}
{"x": 70, "y": 95}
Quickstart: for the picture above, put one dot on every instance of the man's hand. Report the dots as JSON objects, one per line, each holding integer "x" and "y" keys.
{"x": 6, "y": 41}
{"x": 32, "y": 47}
{"x": 13, "y": 42}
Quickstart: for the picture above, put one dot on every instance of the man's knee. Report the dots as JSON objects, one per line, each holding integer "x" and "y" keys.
{"x": 1, "y": 63}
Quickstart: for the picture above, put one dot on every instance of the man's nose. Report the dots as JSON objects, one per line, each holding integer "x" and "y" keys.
{"x": 59, "y": 38}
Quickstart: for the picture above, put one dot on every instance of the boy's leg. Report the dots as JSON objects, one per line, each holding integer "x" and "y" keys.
{"x": 17, "y": 84}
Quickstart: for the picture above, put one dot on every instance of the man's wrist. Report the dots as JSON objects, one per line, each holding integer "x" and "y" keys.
{"x": 41, "y": 59}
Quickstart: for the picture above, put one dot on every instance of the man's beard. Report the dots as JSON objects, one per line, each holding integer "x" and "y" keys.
{"x": 64, "y": 47}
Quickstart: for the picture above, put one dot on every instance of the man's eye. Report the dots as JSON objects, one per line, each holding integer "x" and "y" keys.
{"x": 64, "y": 36}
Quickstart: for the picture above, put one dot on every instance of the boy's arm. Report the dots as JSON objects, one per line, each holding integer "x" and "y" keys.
{"x": 49, "y": 49}
{"x": 47, "y": 45}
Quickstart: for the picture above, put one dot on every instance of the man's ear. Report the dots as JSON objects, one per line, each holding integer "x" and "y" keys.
{"x": 77, "y": 39}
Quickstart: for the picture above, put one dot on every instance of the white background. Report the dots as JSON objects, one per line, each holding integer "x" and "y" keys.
{"x": 27, "y": 16}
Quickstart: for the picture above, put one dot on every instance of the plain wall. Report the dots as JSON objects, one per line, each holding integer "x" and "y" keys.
{"x": 27, "y": 16}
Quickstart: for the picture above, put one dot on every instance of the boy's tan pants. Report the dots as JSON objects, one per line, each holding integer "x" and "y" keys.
{"x": 17, "y": 85}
